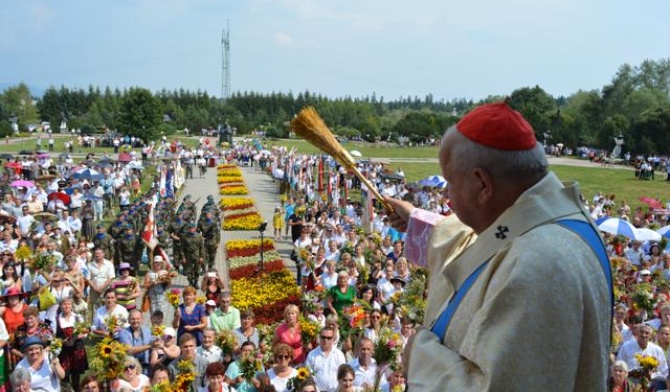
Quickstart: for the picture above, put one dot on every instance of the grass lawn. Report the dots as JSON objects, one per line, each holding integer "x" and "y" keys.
{"x": 622, "y": 183}
{"x": 367, "y": 150}
{"x": 29, "y": 144}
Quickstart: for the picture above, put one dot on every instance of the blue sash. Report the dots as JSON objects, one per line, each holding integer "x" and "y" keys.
{"x": 581, "y": 228}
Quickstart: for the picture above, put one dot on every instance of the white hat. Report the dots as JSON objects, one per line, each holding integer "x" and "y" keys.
{"x": 169, "y": 331}
{"x": 158, "y": 258}
{"x": 210, "y": 302}
{"x": 645, "y": 272}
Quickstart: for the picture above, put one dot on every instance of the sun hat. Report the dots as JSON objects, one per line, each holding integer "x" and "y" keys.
{"x": 169, "y": 331}
{"x": 210, "y": 302}
{"x": 158, "y": 258}
{"x": 32, "y": 341}
{"x": 123, "y": 266}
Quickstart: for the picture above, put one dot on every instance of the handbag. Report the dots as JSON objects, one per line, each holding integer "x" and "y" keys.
{"x": 46, "y": 298}
{"x": 146, "y": 305}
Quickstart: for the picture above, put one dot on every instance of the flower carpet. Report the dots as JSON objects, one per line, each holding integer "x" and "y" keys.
{"x": 240, "y": 214}
{"x": 267, "y": 294}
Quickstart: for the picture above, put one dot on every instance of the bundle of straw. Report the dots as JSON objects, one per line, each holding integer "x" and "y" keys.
{"x": 311, "y": 127}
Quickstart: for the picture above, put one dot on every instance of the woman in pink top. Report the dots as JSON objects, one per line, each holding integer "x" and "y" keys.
{"x": 288, "y": 333}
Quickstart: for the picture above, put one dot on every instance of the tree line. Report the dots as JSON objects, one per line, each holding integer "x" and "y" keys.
{"x": 635, "y": 105}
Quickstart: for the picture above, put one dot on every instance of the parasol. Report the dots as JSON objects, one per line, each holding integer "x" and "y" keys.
{"x": 644, "y": 234}
{"x": 618, "y": 226}
{"x": 433, "y": 181}
{"x": 59, "y": 195}
{"x": 7, "y": 218}
{"x": 355, "y": 153}
{"x": 6, "y": 156}
{"x": 22, "y": 183}
{"x": 43, "y": 156}
{"x": 46, "y": 215}
{"x": 87, "y": 174}
{"x": 651, "y": 202}
{"x": 124, "y": 157}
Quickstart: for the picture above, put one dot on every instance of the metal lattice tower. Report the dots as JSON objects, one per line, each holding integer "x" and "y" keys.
{"x": 225, "y": 61}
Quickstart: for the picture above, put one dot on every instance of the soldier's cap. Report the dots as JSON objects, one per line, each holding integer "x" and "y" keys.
{"x": 129, "y": 227}
{"x": 100, "y": 226}
{"x": 192, "y": 225}
{"x": 210, "y": 198}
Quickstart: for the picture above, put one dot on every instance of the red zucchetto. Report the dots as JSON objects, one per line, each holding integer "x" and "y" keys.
{"x": 498, "y": 126}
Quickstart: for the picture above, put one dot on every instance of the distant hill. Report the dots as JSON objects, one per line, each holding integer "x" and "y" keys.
{"x": 36, "y": 91}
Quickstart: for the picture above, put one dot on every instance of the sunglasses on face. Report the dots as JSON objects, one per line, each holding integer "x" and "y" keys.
{"x": 130, "y": 367}
{"x": 280, "y": 357}
{"x": 326, "y": 337}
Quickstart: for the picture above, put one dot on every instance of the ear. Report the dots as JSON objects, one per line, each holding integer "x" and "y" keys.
{"x": 484, "y": 186}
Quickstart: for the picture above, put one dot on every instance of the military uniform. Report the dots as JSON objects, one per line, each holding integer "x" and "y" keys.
{"x": 116, "y": 230}
{"x": 102, "y": 240}
{"x": 175, "y": 230}
{"x": 211, "y": 233}
{"x": 193, "y": 246}
{"x": 129, "y": 246}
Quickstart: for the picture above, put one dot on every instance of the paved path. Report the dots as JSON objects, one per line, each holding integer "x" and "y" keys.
{"x": 262, "y": 189}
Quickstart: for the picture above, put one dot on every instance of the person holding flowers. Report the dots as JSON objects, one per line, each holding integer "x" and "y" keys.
{"x": 618, "y": 381}
{"x": 45, "y": 371}
{"x": 110, "y": 318}
{"x": 12, "y": 311}
{"x": 189, "y": 360}
{"x": 289, "y": 333}
{"x": 282, "y": 371}
{"x": 208, "y": 350}
{"x": 73, "y": 356}
{"x": 365, "y": 367}
{"x": 156, "y": 282}
{"x": 165, "y": 348}
{"x": 138, "y": 339}
{"x": 234, "y": 376}
{"x": 190, "y": 317}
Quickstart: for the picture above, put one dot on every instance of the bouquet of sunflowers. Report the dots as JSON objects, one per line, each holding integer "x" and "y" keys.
{"x": 294, "y": 383}
{"x": 250, "y": 365}
{"x": 185, "y": 375}
{"x": 157, "y": 330}
{"x": 108, "y": 359}
{"x": 173, "y": 297}
{"x": 227, "y": 341}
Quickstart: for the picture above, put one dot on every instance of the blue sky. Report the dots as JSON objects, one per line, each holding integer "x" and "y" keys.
{"x": 452, "y": 49}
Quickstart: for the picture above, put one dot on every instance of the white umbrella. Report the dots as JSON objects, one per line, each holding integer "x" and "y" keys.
{"x": 645, "y": 234}
{"x": 355, "y": 153}
{"x": 278, "y": 174}
{"x": 618, "y": 226}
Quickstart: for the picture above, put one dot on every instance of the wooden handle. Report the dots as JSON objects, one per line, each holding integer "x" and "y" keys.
{"x": 371, "y": 188}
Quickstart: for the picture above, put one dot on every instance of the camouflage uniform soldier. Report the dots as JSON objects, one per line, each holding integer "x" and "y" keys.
{"x": 193, "y": 246}
{"x": 116, "y": 230}
{"x": 175, "y": 231}
{"x": 129, "y": 246}
{"x": 104, "y": 241}
{"x": 212, "y": 234}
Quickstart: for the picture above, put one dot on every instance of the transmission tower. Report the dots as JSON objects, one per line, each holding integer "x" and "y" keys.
{"x": 225, "y": 63}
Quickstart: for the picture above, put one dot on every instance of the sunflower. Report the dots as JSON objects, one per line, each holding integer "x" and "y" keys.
{"x": 106, "y": 350}
{"x": 303, "y": 373}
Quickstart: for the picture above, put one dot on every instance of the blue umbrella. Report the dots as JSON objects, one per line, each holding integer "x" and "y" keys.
{"x": 602, "y": 219}
{"x": 433, "y": 181}
{"x": 618, "y": 226}
{"x": 664, "y": 231}
{"x": 88, "y": 174}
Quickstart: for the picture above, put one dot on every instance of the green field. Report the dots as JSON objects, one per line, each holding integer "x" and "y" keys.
{"x": 17, "y": 145}
{"x": 622, "y": 183}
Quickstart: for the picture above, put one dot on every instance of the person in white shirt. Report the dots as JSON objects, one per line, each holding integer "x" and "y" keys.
{"x": 63, "y": 222}
{"x": 365, "y": 367}
{"x": 324, "y": 361}
{"x": 74, "y": 222}
{"x": 103, "y": 313}
{"x": 642, "y": 345}
{"x": 208, "y": 350}
{"x": 635, "y": 254}
{"x": 25, "y": 221}
{"x": 102, "y": 275}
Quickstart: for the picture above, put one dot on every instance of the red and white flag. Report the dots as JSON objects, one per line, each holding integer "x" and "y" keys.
{"x": 149, "y": 232}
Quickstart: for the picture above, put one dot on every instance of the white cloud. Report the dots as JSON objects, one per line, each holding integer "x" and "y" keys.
{"x": 283, "y": 40}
